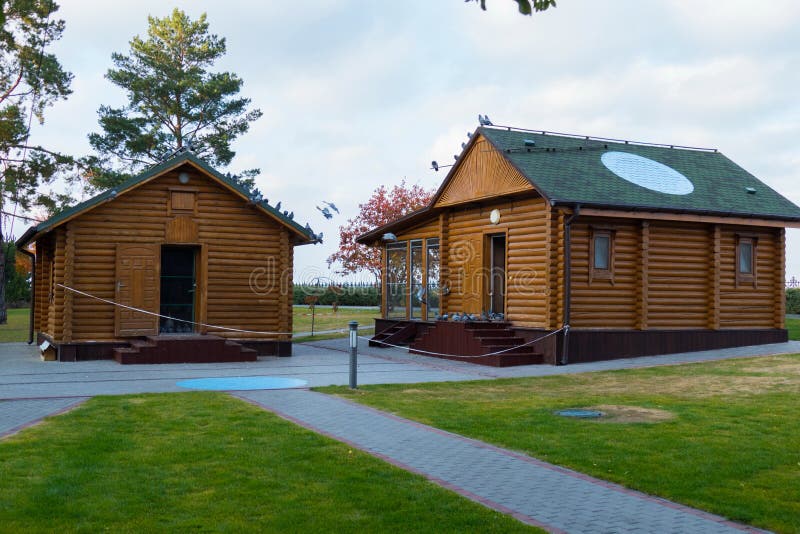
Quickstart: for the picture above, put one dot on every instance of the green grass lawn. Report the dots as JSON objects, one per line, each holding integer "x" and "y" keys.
{"x": 793, "y": 326}
{"x": 208, "y": 462}
{"x": 325, "y": 319}
{"x": 720, "y": 436}
{"x": 16, "y": 329}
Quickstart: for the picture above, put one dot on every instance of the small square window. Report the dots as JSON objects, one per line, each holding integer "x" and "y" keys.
{"x": 601, "y": 255}
{"x": 746, "y": 258}
{"x": 602, "y": 248}
{"x": 746, "y": 252}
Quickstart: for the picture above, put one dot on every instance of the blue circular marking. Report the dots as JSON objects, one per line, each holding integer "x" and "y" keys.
{"x": 647, "y": 173}
{"x": 242, "y": 383}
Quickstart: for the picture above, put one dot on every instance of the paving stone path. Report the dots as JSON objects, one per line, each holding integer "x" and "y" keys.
{"x": 18, "y": 414}
{"x": 533, "y": 491}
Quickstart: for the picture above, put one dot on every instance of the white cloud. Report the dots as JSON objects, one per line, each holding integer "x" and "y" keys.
{"x": 358, "y": 94}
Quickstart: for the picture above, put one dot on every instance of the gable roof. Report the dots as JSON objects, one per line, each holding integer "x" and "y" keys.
{"x": 569, "y": 170}
{"x": 153, "y": 172}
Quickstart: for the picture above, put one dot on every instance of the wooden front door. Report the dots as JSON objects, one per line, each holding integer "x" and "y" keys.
{"x": 137, "y": 286}
{"x": 473, "y": 274}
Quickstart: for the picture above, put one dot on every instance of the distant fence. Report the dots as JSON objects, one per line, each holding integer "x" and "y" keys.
{"x": 345, "y": 294}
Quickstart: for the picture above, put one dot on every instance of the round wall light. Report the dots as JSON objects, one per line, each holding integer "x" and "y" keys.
{"x": 494, "y": 216}
{"x": 183, "y": 177}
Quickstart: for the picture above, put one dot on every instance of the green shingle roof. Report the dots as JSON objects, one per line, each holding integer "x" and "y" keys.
{"x": 183, "y": 157}
{"x": 569, "y": 170}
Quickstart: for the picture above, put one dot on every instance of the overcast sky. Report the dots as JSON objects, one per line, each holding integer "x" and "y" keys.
{"x": 356, "y": 94}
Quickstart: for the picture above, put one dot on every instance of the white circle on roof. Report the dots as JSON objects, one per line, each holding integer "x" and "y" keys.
{"x": 647, "y": 173}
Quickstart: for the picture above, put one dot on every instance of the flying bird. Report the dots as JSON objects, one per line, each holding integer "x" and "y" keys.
{"x": 331, "y": 205}
{"x": 326, "y": 212}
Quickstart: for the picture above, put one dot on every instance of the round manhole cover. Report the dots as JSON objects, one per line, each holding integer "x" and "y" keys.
{"x": 580, "y": 413}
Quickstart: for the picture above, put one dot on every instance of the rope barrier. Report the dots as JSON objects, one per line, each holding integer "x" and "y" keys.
{"x": 217, "y": 327}
{"x": 427, "y": 352}
{"x": 229, "y": 329}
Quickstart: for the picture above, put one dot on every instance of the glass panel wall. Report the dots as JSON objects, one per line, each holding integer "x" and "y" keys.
{"x": 396, "y": 280}
{"x": 417, "y": 284}
{"x": 433, "y": 278}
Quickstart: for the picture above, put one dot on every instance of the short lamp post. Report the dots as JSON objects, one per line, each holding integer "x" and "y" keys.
{"x": 353, "y": 353}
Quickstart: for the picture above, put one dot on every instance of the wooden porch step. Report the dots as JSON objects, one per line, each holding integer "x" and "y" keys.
{"x": 475, "y": 342}
{"x": 401, "y": 333}
{"x": 183, "y": 349}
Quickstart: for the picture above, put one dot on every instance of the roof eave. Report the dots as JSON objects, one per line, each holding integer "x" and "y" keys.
{"x": 373, "y": 235}
{"x": 633, "y": 207}
{"x": 151, "y": 173}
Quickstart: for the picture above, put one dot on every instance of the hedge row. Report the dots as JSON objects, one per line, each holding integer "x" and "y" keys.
{"x": 793, "y": 300}
{"x": 344, "y": 296}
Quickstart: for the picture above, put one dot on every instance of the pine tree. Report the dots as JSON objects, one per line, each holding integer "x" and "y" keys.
{"x": 31, "y": 79}
{"x": 174, "y": 102}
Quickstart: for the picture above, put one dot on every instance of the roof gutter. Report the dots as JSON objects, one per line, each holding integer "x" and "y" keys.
{"x": 567, "y": 281}
{"x": 32, "y": 256}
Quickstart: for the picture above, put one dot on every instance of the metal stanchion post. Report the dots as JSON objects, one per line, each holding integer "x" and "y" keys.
{"x": 353, "y": 353}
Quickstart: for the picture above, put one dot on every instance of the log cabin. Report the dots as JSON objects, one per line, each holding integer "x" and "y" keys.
{"x": 178, "y": 264}
{"x": 585, "y": 249}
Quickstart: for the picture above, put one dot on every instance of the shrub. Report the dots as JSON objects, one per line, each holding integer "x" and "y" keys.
{"x": 793, "y": 300}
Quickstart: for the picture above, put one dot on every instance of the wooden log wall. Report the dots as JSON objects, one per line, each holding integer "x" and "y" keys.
{"x": 527, "y": 259}
{"x": 779, "y": 284}
{"x": 285, "y": 278}
{"x": 714, "y": 267}
{"x": 444, "y": 258}
{"x": 45, "y": 252}
{"x": 56, "y": 308}
{"x": 746, "y": 305}
{"x": 557, "y": 285}
{"x": 69, "y": 264}
{"x": 602, "y": 303}
{"x": 239, "y": 242}
{"x": 676, "y": 276}
{"x": 643, "y": 276}
{"x": 428, "y": 229}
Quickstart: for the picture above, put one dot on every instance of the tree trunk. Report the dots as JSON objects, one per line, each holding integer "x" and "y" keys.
{"x": 3, "y": 310}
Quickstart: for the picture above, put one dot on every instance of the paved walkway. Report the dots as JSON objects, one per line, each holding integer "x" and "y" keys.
{"x": 534, "y": 491}
{"x": 16, "y": 415}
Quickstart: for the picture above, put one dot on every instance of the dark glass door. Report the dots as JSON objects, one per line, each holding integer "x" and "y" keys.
{"x": 178, "y": 284}
{"x": 497, "y": 283}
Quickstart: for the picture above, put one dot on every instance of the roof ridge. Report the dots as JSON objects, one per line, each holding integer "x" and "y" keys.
{"x": 154, "y": 170}
{"x": 595, "y": 138}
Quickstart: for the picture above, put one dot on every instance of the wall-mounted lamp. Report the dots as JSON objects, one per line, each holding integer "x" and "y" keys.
{"x": 183, "y": 178}
{"x": 494, "y": 216}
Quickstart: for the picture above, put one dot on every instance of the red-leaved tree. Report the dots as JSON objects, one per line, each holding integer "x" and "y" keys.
{"x": 385, "y": 205}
